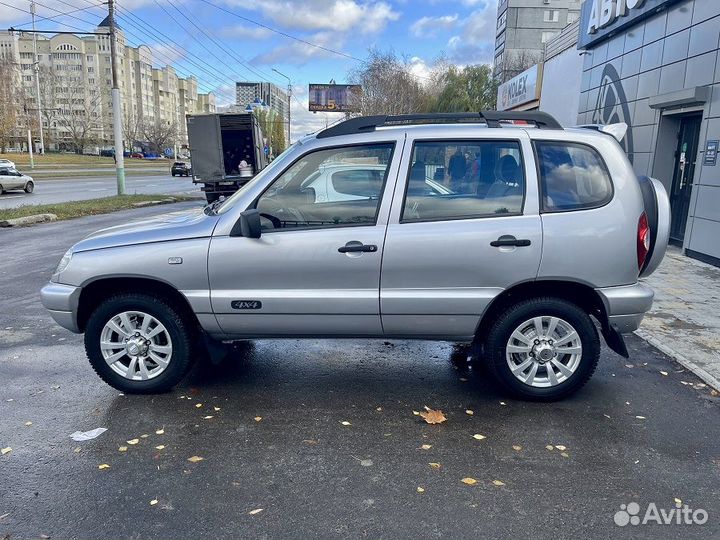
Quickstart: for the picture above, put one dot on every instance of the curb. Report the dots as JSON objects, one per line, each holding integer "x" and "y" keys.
{"x": 709, "y": 379}
{"x": 28, "y": 220}
{"x": 153, "y": 203}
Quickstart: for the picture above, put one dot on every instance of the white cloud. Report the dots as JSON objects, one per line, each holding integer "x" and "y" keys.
{"x": 298, "y": 53}
{"x": 312, "y": 15}
{"x": 164, "y": 53}
{"x": 244, "y": 31}
{"x": 430, "y": 26}
{"x": 476, "y": 42}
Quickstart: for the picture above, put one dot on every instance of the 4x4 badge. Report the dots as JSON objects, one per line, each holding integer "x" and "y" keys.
{"x": 246, "y": 304}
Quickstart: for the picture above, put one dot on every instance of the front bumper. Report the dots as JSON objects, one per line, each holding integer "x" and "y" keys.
{"x": 626, "y": 305}
{"x": 62, "y": 303}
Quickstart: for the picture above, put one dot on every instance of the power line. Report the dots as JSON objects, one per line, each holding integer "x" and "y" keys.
{"x": 30, "y": 13}
{"x": 55, "y": 16}
{"x": 280, "y": 32}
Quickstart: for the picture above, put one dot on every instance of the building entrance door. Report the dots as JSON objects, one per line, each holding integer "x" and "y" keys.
{"x": 685, "y": 158}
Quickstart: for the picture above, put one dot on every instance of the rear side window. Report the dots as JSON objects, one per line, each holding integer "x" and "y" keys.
{"x": 572, "y": 176}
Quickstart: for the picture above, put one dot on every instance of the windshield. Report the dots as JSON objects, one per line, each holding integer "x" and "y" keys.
{"x": 277, "y": 163}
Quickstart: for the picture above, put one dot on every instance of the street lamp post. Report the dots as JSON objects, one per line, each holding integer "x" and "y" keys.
{"x": 116, "y": 105}
{"x": 289, "y": 87}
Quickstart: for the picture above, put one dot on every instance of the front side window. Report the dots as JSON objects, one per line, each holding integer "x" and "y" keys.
{"x": 463, "y": 180}
{"x": 328, "y": 188}
{"x": 572, "y": 176}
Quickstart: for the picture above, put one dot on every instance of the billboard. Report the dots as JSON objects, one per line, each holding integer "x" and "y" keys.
{"x": 334, "y": 97}
{"x": 520, "y": 89}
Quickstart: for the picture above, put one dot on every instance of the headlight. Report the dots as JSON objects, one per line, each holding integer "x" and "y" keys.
{"x": 62, "y": 265}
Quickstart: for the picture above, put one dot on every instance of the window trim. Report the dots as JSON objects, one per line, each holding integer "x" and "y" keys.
{"x": 393, "y": 143}
{"x": 541, "y": 183}
{"x": 403, "y": 220}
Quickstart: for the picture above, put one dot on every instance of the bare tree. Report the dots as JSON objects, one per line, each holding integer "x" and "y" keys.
{"x": 514, "y": 63}
{"x": 9, "y": 106}
{"x": 80, "y": 112}
{"x": 132, "y": 128}
{"x": 160, "y": 134}
{"x": 388, "y": 86}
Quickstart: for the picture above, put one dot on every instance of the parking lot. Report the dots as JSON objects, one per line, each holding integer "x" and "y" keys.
{"x": 317, "y": 439}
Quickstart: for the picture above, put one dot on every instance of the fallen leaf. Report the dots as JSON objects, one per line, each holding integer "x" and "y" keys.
{"x": 310, "y": 441}
{"x": 550, "y": 447}
{"x": 416, "y": 413}
{"x": 503, "y": 403}
{"x": 195, "y": 459}
{"x": 208, "y": 417}
{"x": 258, "y": 418}
{"x": 468, "y": 411}
{"x": 366, "y": 462}
{"x": 160, "y": 447}
{"x": 678, "y": 501}
{"x": 426, "y": 446}
{"x": 606, "y": 415}
{"x": 561, "y": 447}
{"x": 469, "y": 481}
{"x": 498, "y": 483}
{"x": 435, "y": 465}
{"x": 433, "y": 417}
{"x": 133, "y": 441}
{"x": 479, "y": 437}
{"x": 153, "y": 502}
{"x": 714, "y": 393}
{"x": 346, "y": 423}
{"x": 77, "y": 450}
{"x": 420, "y": 489}
{"x": 160, "y": 431}
{"x": 516, "y": 447}
{"x": 6, "y": 450}
{"x": 379, "y": 409}
{"x": 122, "y": 449}
{"x": 216, "y": 409}
{"x": 256, "y": 511}
{"x": 564, "y": 454}
{"x": 144, "y": 436}
{"x": 463, "y": 379}
{"x": 28, "y": 423}
{"x": 640, "y": 417}
{"x": 663, "y": 373}
{"x": 103, "y": 466}
{"x": 198, "y": 405}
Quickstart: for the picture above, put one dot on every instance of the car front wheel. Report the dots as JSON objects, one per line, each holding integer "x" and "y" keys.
{"x": 543, "y": 349}
{"x": 139, "y": 343}
{"x": 29, "y": 187}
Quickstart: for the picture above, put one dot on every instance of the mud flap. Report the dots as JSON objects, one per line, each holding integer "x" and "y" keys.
{"x": 614, "y": 340}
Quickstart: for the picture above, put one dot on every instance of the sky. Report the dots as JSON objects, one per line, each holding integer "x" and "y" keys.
{"x": 309, "y": 41}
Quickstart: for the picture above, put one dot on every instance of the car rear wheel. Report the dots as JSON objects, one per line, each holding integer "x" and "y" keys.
{"x": 139, "y": 343}
{"x": 2, "y": 190}
{"x": 543, "y": 349}
{"x": 29, "y": 187}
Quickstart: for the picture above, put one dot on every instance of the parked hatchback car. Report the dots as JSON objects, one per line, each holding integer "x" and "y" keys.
{"x": 11, "y": 179}
{"x": 7, "y": 164}
{"x": 180, "y": 168}
{"x": 517, "y": 240}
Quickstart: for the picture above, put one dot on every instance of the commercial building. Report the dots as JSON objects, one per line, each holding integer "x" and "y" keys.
{"x": 75, "y": 77}
{"x": 654, "y": 65}
{"x": 249, "y": 93}
{"x": 523, "y": 28}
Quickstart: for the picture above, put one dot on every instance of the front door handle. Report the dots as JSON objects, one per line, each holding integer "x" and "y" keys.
{"x": 509, "y": 240}
{"x": 356, "y": 247}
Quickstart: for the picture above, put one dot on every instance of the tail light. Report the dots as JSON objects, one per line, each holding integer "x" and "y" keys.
{"x": 643, "y": 240}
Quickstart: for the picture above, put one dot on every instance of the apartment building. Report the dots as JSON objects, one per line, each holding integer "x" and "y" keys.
{"x": 523, "y": 28}
{"x": 76, "y": 81}
{"x": 272, "y": 95}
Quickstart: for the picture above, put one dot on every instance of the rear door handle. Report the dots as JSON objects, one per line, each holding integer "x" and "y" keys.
{"x": 509, "y": 240}
{"x": 351, "y": 247}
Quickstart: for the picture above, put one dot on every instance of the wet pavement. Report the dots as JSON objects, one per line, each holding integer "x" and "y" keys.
{"x": 276, "y": 439}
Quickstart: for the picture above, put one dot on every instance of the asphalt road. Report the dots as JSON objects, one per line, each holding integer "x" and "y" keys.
{"x": 632, "y": 435}
{"x": 83, "y": 188}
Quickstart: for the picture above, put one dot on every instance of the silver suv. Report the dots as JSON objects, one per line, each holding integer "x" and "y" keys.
{"x": 500, "y": 232}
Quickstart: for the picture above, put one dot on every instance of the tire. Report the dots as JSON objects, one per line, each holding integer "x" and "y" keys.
{"x": 579, "y": 364}
{"x": 29, "y": 187}
{"x": 172, "y": 173}
{"x": 178, "y": 332}
{"x": 2, "y": 191}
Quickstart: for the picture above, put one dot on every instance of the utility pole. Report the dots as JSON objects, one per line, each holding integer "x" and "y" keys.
{"x": 37, "y": 79}
{"x": 289, "y": 88}
{"x": 117, "y": 113}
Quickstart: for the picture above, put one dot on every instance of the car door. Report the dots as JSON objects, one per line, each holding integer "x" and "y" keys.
{"x": 315, "y": 270}
{"x": 449, "y": 253}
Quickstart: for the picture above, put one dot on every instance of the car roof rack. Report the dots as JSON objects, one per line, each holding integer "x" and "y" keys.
{"x": 493, "y": 119}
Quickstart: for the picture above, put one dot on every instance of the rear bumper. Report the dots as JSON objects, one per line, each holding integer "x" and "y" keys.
{"x": 626, "y": 305}
{"x": 62, "y": 303}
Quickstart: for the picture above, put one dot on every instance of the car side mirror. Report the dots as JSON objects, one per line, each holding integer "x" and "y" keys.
{"x": 248, "y": 225}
